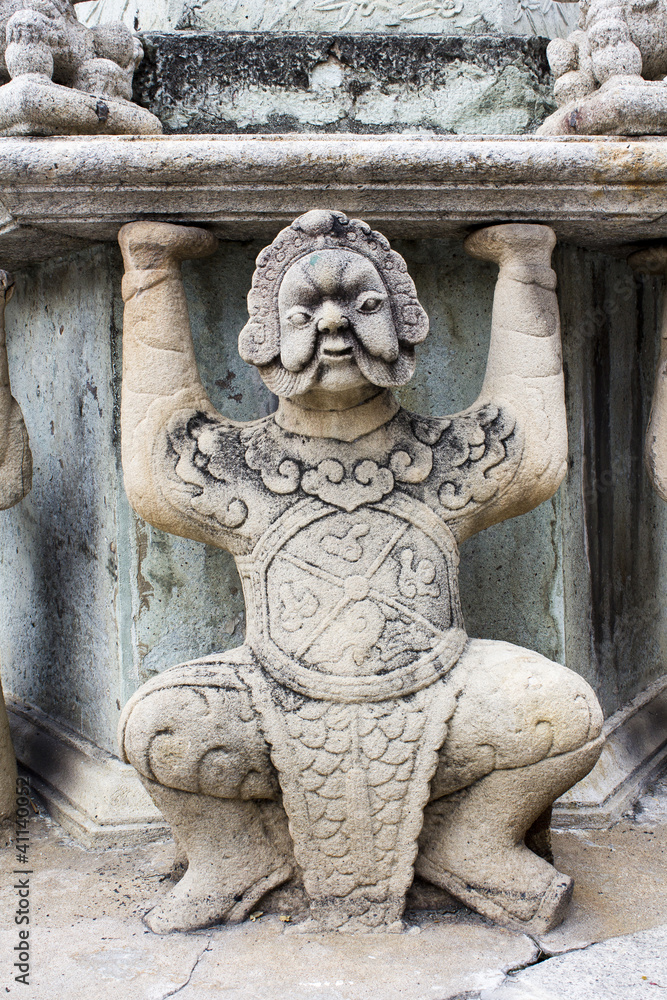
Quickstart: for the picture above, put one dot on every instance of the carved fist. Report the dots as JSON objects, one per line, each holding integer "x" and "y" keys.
{"x": 154, "y": 245}
{"x": 513, "y": 243}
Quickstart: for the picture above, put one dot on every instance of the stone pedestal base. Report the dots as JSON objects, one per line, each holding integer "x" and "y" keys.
{"x": 623, "y": 106}
{"x": 31, "y": 106}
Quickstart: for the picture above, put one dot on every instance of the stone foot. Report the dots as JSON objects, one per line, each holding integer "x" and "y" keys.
{"x": 472, "y": 842}
{"x": 236, "y": 854}
{"x": 197, "y": 902}
{"x": 33, "y": 105}
{"x": 509, "y": 907}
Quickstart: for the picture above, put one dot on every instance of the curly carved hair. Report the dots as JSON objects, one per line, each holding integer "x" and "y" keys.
{"x": 259, "y": 340}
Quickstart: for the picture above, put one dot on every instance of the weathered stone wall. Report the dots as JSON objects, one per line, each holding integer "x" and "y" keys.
{"x": 93, "y": 601}
{"x": 279, "y": 82}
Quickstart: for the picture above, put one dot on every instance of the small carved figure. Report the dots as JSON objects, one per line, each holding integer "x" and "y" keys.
{"x": 610, "y": 73}
{"x": 52, "y": 60}
{"x": 654, "y": 261}
{"x": 15, "y": 483}
{"x": 358, "y": 733}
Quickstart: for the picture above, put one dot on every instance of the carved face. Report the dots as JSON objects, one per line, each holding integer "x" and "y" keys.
{"x": 336, "y": 322}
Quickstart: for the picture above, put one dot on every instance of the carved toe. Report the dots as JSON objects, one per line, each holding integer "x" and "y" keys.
{"x": 528, "y": 912}
{"x": 195, "y": 903}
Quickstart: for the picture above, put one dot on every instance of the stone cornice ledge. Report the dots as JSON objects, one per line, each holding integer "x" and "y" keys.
{"x": 62, "y": 193}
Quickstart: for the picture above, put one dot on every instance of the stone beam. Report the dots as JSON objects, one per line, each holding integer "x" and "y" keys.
{"x": 62, "y": 193}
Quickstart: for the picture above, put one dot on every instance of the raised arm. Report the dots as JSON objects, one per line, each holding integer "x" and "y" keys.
{"x": 654, "y": 261}
{"x": 524, "y": 372}
{"x": 160, "y": 376}
{"x": 15, "y": 456}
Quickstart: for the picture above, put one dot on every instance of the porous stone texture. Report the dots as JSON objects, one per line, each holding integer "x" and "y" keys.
{"x": 65, "y": 77}
{"x": 132, "y": 600}
{"x": 525, "y": 17}
{"x": 610, "y": 72}
{"x": 281, "y": 82}
{"x": 87, "y": 935}
{"x": 357, "y": 704}
{"x": 64, "y": 193}
{"x": 15, "y": 483}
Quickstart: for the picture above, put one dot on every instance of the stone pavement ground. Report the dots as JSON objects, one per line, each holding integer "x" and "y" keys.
{"x": 87, "y": 941}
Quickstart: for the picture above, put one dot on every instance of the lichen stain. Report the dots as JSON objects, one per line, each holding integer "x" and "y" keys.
{"x": 144, "y": 587}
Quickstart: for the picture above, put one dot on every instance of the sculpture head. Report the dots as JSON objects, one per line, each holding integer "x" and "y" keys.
{"x": 331, "y": 306}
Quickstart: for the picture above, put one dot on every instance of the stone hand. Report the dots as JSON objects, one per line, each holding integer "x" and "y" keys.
{"x": 6, "y": 291}
{"x": 158, "y": 245}
{"x": 513, "y": 243}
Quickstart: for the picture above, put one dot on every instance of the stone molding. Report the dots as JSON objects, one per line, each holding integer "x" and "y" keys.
{"x": 89, "y": 792}
{"x": 636, "y": 745}
{"x": 62, "y": 194}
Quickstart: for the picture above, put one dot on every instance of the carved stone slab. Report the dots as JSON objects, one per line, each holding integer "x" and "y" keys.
{"x": 59, "y": 194}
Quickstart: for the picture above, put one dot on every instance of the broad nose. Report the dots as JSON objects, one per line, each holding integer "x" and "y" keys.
{"x": 332, "y": 319}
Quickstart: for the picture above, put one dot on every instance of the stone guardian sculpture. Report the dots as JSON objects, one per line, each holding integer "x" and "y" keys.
{"x": 610, "y": 73}
{"x": 358, "y": 733}
{"x": 65, "y": 78}
{"x": 15, "y": 483}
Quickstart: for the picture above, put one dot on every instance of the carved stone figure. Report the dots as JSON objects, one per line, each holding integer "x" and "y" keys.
{"x": 654, "y": 261}
{"x": 15, "y": 482}
{"x": 66, "y": 78}
{"x": 358, "y": 733}
{"x": 610, "y": 73}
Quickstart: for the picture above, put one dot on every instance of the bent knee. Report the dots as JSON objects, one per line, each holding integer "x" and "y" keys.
{"x": 200, "y": 739}
{"x": 516, "y": 707}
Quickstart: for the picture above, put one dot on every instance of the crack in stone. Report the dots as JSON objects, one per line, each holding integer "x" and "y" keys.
{"x": 542, "y": 956}
{"x": 172, "y": 993}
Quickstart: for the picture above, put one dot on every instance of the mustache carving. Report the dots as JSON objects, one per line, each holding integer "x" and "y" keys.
{"x": 384, "y": 374}
{"x": 308, "y": 238}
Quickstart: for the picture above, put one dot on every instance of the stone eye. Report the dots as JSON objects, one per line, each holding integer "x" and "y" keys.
{"x": 299, "y": 317}
{"x": 370, "y": 302}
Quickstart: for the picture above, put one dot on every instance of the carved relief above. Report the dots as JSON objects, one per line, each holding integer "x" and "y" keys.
{"x": 525, "y": 17}
{"x": 316, "y": 755}
{"x": 65, "y": 78}
{"x": 610, "y": 72}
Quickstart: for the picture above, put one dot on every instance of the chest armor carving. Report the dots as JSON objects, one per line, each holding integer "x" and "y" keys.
{"x": 354, "y": 617}
{"x": 358, "y": 606}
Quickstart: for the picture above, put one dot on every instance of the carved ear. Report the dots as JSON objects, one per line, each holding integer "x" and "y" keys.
{"x": 259, "y": 342}
{"x": 414, "y": 324}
